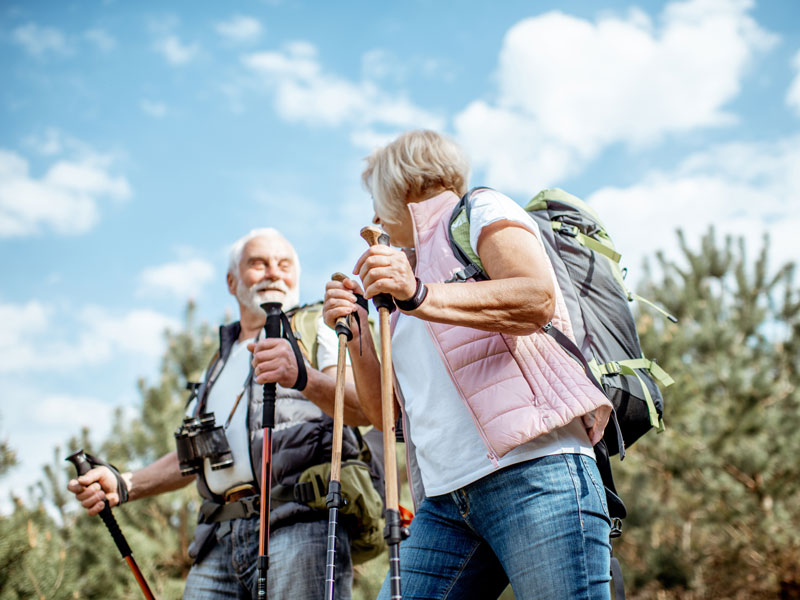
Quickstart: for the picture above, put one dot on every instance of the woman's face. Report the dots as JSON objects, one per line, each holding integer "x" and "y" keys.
{"x": 400, "y": 234}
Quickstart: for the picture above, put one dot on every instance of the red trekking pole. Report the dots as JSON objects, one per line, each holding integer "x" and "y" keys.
{"x": 272, "y": 329}
{"x": 83, "y": 466}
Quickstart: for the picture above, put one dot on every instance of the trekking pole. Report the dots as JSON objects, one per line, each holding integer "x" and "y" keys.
{"x": 334, "y": 499}
{"x": 83, "y": 466}
{"x": 394, "y": 530}
{"x": 272, "y": 329}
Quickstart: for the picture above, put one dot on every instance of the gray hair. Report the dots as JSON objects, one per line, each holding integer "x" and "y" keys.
{"x": 269, "y": 233}
{"x": 416, "y": 166}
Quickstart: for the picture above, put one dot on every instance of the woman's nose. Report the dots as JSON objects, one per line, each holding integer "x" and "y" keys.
{"x": 376, "y": 220}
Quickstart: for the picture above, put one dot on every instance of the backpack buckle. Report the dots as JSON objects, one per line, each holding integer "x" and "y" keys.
{"x": 461, "y": 276}
{"x": 570, "y": 230}
{"x": 251, "y": 506}
{"x": 616, "y": 528}
{"x": 612, "y": 368}
{"x": 304, "y": 492}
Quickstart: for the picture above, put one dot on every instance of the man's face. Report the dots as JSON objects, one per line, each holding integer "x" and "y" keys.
{"x": 267, "y": 273}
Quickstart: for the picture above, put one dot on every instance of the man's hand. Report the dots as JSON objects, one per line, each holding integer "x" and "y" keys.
{"x": 93, "y": 488}
{"x": 274, "y": 362}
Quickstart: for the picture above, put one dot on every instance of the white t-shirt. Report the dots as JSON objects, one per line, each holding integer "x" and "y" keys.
{"x": 450, "y": 451}
{"x": 229, "y": 384}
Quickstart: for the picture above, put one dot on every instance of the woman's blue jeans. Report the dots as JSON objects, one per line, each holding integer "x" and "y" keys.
{"x": 541, "y": 525}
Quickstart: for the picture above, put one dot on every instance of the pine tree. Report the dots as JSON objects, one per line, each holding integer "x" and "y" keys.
{"x": 54, "y": 550}
{"x": 714, "y": 501}
{"x": 49, "y": 547}
{"x": 8, "y": 457}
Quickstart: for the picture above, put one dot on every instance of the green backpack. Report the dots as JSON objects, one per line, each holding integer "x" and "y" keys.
{"x": 591, "y": 281}
{"x": 362, "y": 502}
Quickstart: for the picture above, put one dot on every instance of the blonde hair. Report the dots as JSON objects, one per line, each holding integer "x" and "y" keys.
{"x": 417, "y": 165}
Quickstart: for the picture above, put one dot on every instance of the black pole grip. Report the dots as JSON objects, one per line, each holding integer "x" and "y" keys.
{"x": 83, "y": 466}
{"x": 384, "y": 300}
{"x": 272, "y": 329}
{"x": 80, "y": 461}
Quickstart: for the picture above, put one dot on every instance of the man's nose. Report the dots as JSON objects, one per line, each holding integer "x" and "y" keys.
{"x": 273, "y": 272}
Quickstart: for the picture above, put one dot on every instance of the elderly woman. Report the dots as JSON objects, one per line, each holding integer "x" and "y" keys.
{"x": 499, "y": 421}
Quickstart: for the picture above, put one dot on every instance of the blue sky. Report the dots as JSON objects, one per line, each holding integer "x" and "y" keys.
{"x": 138, "y": 140}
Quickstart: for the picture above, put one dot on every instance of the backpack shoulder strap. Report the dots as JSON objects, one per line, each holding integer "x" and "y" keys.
{"x": 459, "y": 240}
{"x": 305, "y": 326}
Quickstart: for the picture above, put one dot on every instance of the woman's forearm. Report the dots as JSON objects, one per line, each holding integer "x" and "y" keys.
{"x": 517, "y": 306}
{"x": 366, "y": 375}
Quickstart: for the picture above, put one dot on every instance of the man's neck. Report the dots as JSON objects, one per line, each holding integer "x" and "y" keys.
{"x": 251, "y": 325}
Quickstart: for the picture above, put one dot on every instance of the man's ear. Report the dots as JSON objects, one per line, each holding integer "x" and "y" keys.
{"x": 231, "y": 283}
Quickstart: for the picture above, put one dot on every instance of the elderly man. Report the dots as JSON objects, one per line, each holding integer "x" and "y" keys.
{"x": 263, "y": 268}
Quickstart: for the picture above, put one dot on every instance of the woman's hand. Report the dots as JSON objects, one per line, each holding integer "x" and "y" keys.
{"x": 340, "y": 301}
{"x": 386, "y": 270}
{"x": 595, "y": 423}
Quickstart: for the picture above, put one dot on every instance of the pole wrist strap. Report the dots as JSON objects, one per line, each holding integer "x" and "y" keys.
{"x": 122, "y": 488}
{"x": 302, "y": 374}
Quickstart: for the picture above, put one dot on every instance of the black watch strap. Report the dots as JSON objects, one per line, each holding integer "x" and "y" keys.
{"x": 413, "y": 303}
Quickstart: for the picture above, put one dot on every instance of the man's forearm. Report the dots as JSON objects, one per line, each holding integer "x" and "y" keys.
{"x": 163, "y": 475}
{"x": 321, "y": 390}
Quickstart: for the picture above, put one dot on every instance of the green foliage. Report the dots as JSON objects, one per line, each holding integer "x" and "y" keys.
{"x": 8, "y": 457}
{"x": 54, "y": 550}
{"x": 714, "y": 500}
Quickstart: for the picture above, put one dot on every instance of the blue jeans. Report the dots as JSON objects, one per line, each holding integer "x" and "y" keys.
{"x": 543, "y": 525}
{"x": 297, "y": 559}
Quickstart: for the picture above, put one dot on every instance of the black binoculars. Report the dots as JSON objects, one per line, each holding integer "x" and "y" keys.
{"x": 198, "y": 438}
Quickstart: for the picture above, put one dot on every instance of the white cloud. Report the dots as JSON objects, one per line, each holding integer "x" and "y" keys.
{"x": 176, "y": 53}
{"x": 182, "y": 279}
{"x": 136, "y": 332}
{"x": 40, "y": 41}
{"x": 568, "y": 87}
{"x": 101, "y": 39}
{"x": 741, "y": 189}
{"x": 153, "y": 108}
{"x": 72, "y": 412}
{"x": 49, "y": 143}
{"x": 35, "y": 422}
{"x": 20, "y": 321}
{"x": 65, "y": 199}
{"x": 33, "y": 339}
{"x": 380, "y": 64}
{"x": 240, "y": 29}
{"x": 793, "y": 95}
{"x": 305, "y": 93}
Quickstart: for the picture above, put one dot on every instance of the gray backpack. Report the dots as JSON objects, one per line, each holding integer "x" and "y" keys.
{"x": 591, "y": 281}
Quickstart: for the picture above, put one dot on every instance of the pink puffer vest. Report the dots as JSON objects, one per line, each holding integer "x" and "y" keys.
{"x": 515, "y": 387}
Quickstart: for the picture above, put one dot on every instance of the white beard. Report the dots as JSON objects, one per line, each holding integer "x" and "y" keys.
{"x": 267, "y": 291}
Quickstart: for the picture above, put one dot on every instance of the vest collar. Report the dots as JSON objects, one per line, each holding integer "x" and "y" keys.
{"x": 428, "y": 213}
{"x": 228, "y": 334}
